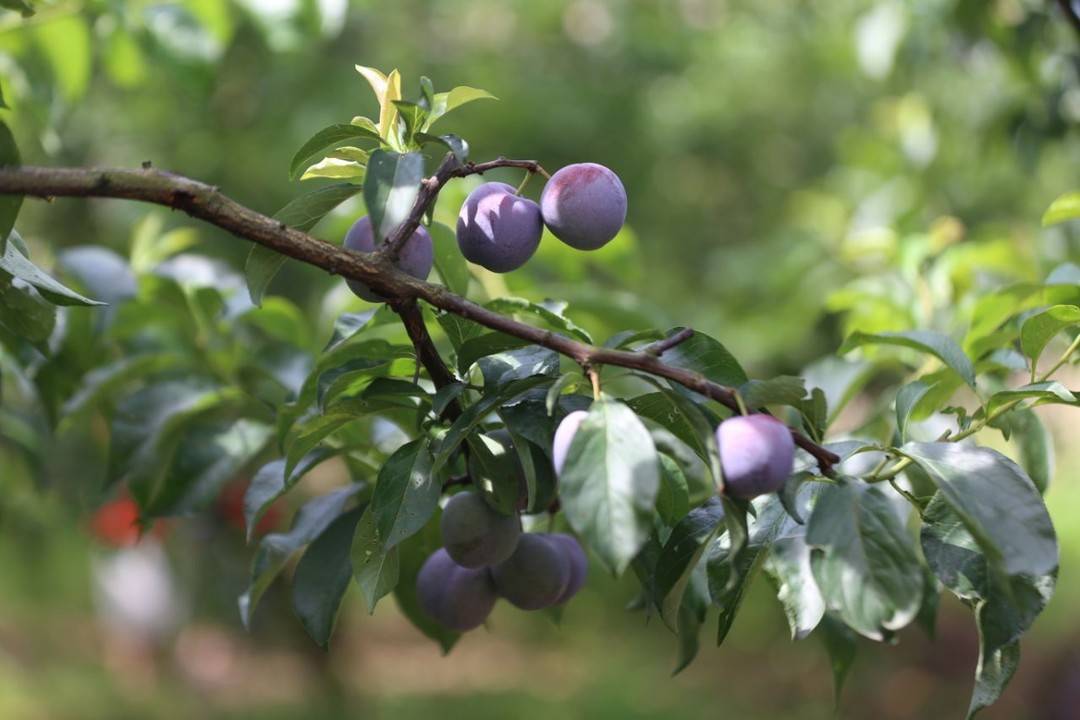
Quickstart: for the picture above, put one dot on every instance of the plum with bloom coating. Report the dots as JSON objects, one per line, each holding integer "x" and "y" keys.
{"x": 455, "y": 597}
{"x": 584, "y": 205}
{"x": 475, "y": 535}
{"x": 757, "y": 454}
{"x": 416, "y": 258}
{"x": 579, "y": 564}
{"x": 535, "y": 576}
{"x": 498, "y": 229}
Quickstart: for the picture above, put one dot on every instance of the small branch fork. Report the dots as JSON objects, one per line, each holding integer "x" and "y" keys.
{"x": 376, "y": 270}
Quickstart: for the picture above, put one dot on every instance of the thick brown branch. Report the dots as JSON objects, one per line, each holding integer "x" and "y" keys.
{"x": 429, "y": 190}
{"x": 426, "y": 352}
{"x": 209, "y": 204}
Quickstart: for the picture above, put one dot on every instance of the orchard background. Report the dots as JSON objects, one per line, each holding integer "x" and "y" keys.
{"x": 797, "y": 173}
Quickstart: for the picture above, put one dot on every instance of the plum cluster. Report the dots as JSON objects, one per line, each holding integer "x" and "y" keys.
{"x": 584, "y": 205}
{"x": 757, "y": 452}
{"x": 486, "y": 556}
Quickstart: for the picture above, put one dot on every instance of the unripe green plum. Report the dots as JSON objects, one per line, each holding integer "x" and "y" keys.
{"x": 417, "y": 255}
{"x": 564, "y": 435}
{"x": 498, "y": 229}
{"x": 584, "y": 205}
{"x": 535, "y": 576}
{"x": 455, "y": 597}
{"x": 757, "y": 454}
{"x": 475, "y": 535}
{"x": 579, "y": 564}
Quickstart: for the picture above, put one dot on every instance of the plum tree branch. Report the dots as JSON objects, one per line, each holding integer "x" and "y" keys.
{"x": 208, "y": 203}
{"x": 426, "y": 352}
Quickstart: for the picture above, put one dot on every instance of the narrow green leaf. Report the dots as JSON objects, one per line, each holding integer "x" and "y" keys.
{"x": 707, "y": 356}
{"x": 449, "y": 262}
{"x": 444, "y": 102}
{"x": 863, "y": 560}
{"x": 16, "y": 264}
{"x": 9, "y": 204}
{"x": 501, "y": 368}
{"x": 451, "y": 142}
{"x": 782, "y": 390}
{"x": 1042, "y": 392}
{"x": 322, "y": 577}
{"x": 326, "y": 138}
{"x": 840, "y": 645}
{"x": 907, "y": 399}
{"x": 673, "y": 499}
{"x": 1035, "y": 445}
{"x": 492, "y": 343}
{"x": 937, "y": 344}
{"x": 391, "y": 187}
{"x": 788, "y": 566}
{"x": 681, "y": 554}
{"x": 347, "y": 326}
{"x": 550, "y": 311}
{"x": 677, "y": 414}
{"x": 1038, "y": 330}
{"x": 1066, "y": 207}
{"x": 406, "y": 494}
{"x": 332, "y": 168}
{"x": 997, "y": 503}
{"x": 609, "y": 484}
{"x": 270, "y": 483}
{"x": 375, "y": 568}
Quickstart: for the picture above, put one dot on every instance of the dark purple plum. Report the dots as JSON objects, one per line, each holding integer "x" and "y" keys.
{"x": 584, "y": 205}
{"x": 416, "y": 258}
{"x": 497, "y": 229}
{"x": 579, "y": 564}
{"x": 455, "y": 597}
{"x": 757, "y": 454}
{"x": 535, "y": 576}
{"x": 474, "y": 534}
{"x": 564, "y": 435}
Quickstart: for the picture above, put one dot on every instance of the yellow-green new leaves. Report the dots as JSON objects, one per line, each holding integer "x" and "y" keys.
{"x": 387, "y": 89}
{"x": 1066, "y": 207}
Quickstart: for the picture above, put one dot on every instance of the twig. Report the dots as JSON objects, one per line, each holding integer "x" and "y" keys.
{"x": 375, "y": 271}
{"x": 660, "y": 347}
{"x": 426, "y": 352}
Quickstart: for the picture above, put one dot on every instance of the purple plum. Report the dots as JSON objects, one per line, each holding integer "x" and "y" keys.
{"x": 564, "y": 435}
{"x": 475, "y": 535}
{"x": 498, "y": 229}
{"x": 757, "y": 454}
{"x": 416, "y": 258}
{"x": 579, "y": 564}
{"x": 535, "y": 576}
{"x": 455, "y": 597}
{"x": 584, "y": 205}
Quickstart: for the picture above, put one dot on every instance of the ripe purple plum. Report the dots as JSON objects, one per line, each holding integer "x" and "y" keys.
{"x": 416, "y": 258}
{"x": 584, "y": 205}
{"x": 497, "y": 229}
{"x": 579, "y": 564}
{"x": 455, "y": 597}
{"x": 757, "y": 454}
{"x": 535, "y": 576}
{"x": 564, "y": 435}
{"x": 476, "y": 536}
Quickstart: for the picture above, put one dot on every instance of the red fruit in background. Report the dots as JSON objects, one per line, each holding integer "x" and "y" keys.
{"x": 116, "y": 523}
{"x": 231, "y": 507}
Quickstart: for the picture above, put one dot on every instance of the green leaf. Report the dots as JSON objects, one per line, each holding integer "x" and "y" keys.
{"x": 673, "y": 499}
{"x": 492, "y": 343}
{"x": 16, "y": 264}
{"x": 322, "y": 577}
{"x": 302, "y": 213}
{"x": 863, "y": 560}
{"x": 391, "y": 188}
{"x": 501, "y": 368}
{"x": 326, "y": 138}
{"x": 412, "y": 553}
{"x": 550, "y": 311}
{"x": 444, "y": 102}
{"x": 275, "y": 549}
{"x": 609, "y": 484}
{"x": 406, "y": 494}
{"x": 375, "y": 568}
{"x": 451, "y": 142}
{"x": 840, "y": 380}
{"x": 679, "y": 415}
{"x": 707, "y": 356}
{"x": 992, "y": 674}
{"x": 782, "y": 390}
{"x": 449, "y": 262}
{"x": 1043, "y": 392}
{"x": 104, "y": 381}
{"x": 788, "y": 566}
{"x": 332, "y": 168}
{"x": 347, "y": 326}
{"x": 840, "y": 645}
{"x": 270, "y": 483}
{"x": 997, "y": 503}
{"x": 459, "y": 330}
{"x": 9, "y": 204}
{"x": 1066, "y": 207}
{"x": 65, "y": 41}
{"x": 681, "y": 554}
{"x": 1038, "y": 330}
{"x": 907, "y": 399}
{"x": 3, "y": 104}
{"x": 413, "y": 116}
{"x": 937, "y": 344}
{"x": 25, "y": 313}
{"x": 552, "y": 399}
{"x": 1035, "y": 445}
{"x": 147, "y": 426}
